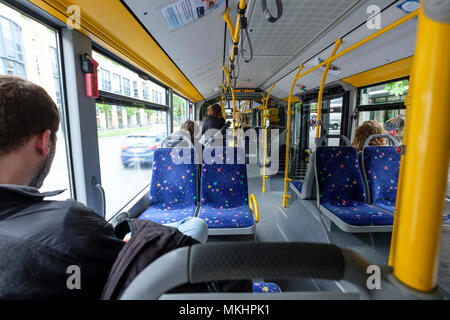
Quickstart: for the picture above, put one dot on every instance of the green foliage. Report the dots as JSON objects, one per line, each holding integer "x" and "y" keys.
{"x": 104, "y": 108}
{"x": 396, "y": 88}
{"x": 130, "y": 111}
{"x": 149, "y": 113}
{"x": 179, "y": 104}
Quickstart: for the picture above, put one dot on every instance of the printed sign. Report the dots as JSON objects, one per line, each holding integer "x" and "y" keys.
{"x": 183, "y": 12}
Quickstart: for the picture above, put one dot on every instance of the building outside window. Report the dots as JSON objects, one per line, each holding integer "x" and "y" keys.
{"x": 136, "y": 89}
{"x": 106, "y": 79}
{"x": 145, "y": 91}
{"x": 11, "y": 48}
{"x": 126, "y": 87}
{"x": 117, "y": 83}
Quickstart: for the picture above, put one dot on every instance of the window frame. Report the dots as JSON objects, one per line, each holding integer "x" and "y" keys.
{"x": 381, "y": 106}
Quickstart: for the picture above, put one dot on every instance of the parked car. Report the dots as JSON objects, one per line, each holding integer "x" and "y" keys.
{"x": 140, "y": 148}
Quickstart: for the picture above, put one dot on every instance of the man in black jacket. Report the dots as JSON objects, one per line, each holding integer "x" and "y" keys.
{"x": 48, "y": 249}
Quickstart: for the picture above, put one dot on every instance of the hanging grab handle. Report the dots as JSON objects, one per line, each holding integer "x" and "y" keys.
{"x": 267, "y": 13}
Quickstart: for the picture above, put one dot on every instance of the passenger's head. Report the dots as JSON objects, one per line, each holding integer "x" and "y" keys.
{"x": 29, "y": 121}
{"x": 188, "y": 126}
{"x": 367, "y": 129}
{"x": 215, "y": 111}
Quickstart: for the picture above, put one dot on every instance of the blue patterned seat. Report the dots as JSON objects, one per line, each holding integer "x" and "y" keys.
{"x": 447, "y": 220}
{"x": 341, "y": 188}
{"x": 381, "y": 166}
{"x": 298, "y": 185}
{"x": 266, "y": 287}
{"x": 224, "y": 190}
{"x": 173, "y": 189}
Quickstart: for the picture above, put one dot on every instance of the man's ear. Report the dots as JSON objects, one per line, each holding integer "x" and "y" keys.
{"x": 43, "y": 143}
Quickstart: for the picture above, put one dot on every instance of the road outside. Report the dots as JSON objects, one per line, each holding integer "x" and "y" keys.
{"x": 120, "y": 184}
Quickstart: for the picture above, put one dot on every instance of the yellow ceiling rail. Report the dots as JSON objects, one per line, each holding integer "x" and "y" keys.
{"x": 112, "y": 26}
{"x": 322, "y": 86}
{"x": 264, "y": 133}
{"x": 400, "y": 21}
{"x": 424, "y": 179}
{"x": 288, "y": 131}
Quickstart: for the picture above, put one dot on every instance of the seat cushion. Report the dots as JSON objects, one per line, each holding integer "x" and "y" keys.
{"x": 265, "y": 287}
{"x": 298, "y": 185}
{"x": 386, "y": 205}
{"x": 226, "y": 218}
{"x": 168, "y": 213}
{"x": 357, "y": 213}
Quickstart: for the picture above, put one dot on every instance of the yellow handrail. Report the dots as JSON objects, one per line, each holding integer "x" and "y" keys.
{"x": 286, "y": 171}
{"x": 400, "y": 21}
{"x": 424, "y": 177}
{"x": 264, "y": 132}
{"x": 325, "y": 63}
{"x": 234, "y": 31}
{"x": 322, "y": 86}
{"x": 253, "y": 204}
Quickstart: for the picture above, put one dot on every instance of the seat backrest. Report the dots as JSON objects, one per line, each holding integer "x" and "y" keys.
{"x": 338, "y": 175}
{"x": 309, "y": 183}
{"x": 224, "y": 181}
{"x": 173, "y": 182}
{"x": 381, "y": 167}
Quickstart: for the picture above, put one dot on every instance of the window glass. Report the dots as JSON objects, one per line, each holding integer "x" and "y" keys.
{"x": 127, "y": 137}
{"x": 117, "y": 79}
{"x": 392, "y": 92}
{"x": 332, "y": 119}
{"x": 180, "y": 110}
{"x": 29, "y": 49}
{"x": 393, "y": 121}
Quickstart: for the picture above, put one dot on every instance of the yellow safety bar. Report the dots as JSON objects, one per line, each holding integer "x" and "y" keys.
{"x": 227, "y": 75}
{"x": 417, "y": 229}
{"x": 234, "y": 31}
{"x": 264, "y": 132}
{"x": 286, "y": 173}
{"x": 253, "y": 204}
{"x": 325, "y": 63}
{"x": 322, "y": 86}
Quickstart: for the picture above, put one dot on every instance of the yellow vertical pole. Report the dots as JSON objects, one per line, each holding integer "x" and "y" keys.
{"x": 424, "y": 178}
{"x": 322, "y": 86}
{"x": 400, "y": 179}
{"x": 264, "y": 133}
{"x": 286, "y": 171}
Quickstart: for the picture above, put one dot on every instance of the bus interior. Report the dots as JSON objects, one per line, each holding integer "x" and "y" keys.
{"x": 305, "y": 214}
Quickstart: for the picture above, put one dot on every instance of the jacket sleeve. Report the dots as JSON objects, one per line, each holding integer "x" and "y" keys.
{"x": 100, "y": 249}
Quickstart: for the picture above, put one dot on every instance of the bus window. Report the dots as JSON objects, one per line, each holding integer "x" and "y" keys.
{"x": 180, "y": 111}
{"x": 127, "y": 135}
{"x": 384, "y": 103}
{"x": 30, "y": 50}
{"x": 332, "y": 119}
{"x": 127, "y": 139}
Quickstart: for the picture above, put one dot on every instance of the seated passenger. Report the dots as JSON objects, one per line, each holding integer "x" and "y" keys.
{"x": 363, "y": 132}
{"x": 188, "y": 130}
{"x": 59, "y": 234}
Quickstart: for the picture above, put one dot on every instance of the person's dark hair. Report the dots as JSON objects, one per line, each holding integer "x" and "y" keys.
{"x": 189, "y": 126}
{"x": 217, "y": 110}
{"x": 26, "y": 109}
